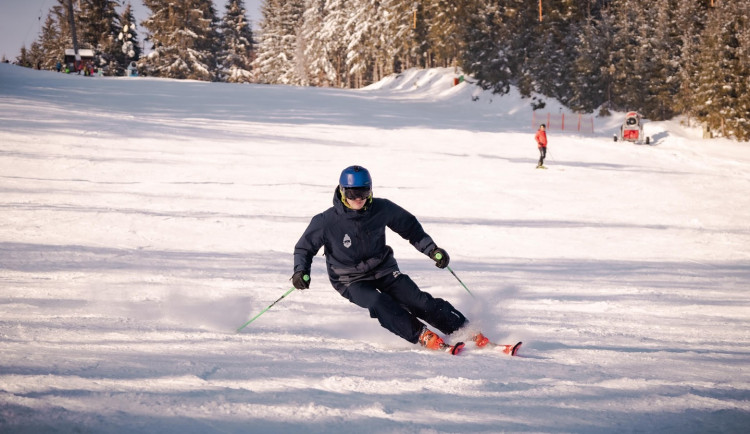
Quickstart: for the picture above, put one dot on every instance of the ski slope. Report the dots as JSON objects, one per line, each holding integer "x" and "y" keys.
{"x": 144, "y": 220}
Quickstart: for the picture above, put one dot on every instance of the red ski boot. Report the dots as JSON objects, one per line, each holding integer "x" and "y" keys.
{"x": 431, "y": 340}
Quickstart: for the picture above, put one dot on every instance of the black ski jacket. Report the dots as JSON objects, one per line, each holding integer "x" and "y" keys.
{"x": 354, "y": 241}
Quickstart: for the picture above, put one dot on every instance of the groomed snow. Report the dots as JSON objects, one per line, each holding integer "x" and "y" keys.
{"x": 144, "y": 220}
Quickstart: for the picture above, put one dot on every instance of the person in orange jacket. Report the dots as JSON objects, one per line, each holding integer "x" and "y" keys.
{"x": 541, "y": 142}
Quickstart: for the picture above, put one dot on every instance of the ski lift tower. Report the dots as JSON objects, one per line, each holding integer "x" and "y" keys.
{"x": 73, "y": 33}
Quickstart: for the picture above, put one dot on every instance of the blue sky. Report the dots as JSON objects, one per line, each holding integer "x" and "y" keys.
{"x": 21, "y": 20}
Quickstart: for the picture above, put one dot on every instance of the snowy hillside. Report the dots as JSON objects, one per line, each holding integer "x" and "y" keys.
{"x": 144, "y": 220}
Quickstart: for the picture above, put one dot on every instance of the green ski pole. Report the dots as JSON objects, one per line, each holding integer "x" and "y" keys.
{"x": 438, "y": 256}
{"x": 459, "y": 281}
{"x": 305, "y": 277}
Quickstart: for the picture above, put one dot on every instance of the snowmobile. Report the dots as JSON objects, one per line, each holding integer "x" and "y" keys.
{"x": 632, "y": 129}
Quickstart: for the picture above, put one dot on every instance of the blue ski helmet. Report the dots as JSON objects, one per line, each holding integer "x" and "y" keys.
{"x": 355, "y": 176}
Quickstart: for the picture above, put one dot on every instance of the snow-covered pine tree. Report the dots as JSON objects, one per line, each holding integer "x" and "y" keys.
{"x": 487, "y": 55}
{"x": 55, "y": 36}
{"x": 362, "y": 40}
{"x": 742, "y": 125}
{"x": 36, "y": 55}
{"x": 24, "y": 58}
{"x": 590, "y": 75}
{"x": 99, "y": 28}
{"x": 419, "y": 46}
{"x": 401, "y": 21}
{"x": 523, "y": 24}
{"x": 184, "y": 37}
{"x": 51, "y": 43}
{"x": 448, "y": 24}
{"x": 277, "y": 48}
{"x": 321, "y": 42}
{"x": 661, "y": 68}
{"x": 553, "y": 52}
{"x": 129, "y": 47}
{"x": 691, "y": 20}
{"x": 236, "y": 56}
{"x": 723, "y": 76}
{"x": 392, "y": 36}
{"x": 629, "y": 56}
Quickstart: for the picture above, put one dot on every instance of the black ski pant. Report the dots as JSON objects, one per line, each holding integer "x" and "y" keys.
{"x": 542, "y": 154}
{"x": 399, "y": 304}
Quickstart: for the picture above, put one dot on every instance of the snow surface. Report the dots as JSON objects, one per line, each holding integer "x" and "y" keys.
{"x": 144, "y": 220}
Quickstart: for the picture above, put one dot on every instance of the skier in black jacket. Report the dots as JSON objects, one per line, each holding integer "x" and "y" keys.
{"x": 363, "y": 269}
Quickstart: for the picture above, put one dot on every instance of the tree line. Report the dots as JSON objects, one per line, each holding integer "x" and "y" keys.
{"x": 99, "y": 27}
{"x": 665, "y": 58}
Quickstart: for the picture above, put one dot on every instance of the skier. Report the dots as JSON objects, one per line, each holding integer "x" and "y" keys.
{"x": 541, "y": 142}
{"x": 362, "y": 268}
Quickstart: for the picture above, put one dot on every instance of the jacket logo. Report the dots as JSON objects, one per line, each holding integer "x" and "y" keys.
{"x": 347, "y": 241}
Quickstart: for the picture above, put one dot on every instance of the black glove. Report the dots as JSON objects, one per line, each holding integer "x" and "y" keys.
{"x": 301, "y": 279}
{"x": 440, "y": 257}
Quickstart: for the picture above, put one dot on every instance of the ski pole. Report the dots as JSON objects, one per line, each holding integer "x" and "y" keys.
{"x": 438, "y": 256}
{"x": 305, "y": 277}
{"x": 459, "y": 281}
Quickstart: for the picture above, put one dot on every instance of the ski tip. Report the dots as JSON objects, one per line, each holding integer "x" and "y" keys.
{"x": 512, "y": 349}
{"x": 516, "y": 347}
{"x": 457, "y": 348}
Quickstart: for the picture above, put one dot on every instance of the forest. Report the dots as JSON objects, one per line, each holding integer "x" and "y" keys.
{"x": 667, "y": 58}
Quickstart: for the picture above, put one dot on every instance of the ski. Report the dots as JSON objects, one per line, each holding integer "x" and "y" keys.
{"x": 454, "y": 349}
{"x": 510, "y": 349}
{"x": 482, "y": 342}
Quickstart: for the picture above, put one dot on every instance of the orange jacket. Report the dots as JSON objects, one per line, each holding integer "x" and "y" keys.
{"x": 541, "y": 138}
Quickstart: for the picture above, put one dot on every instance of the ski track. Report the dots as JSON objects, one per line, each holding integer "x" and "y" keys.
{"x": 144, "y": 220}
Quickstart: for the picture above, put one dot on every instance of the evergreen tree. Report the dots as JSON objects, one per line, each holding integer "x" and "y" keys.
{"x": 362, "y": 48}
{"x": 53, "y": 50}
{"x": 524, "y": 26}
{"x": 404, "y": 31}
{"x": 554, "y": 44}
{"x": 55, "y": 36}
{"x": 590, "y": 75}
{"x": 127, "y": 40}
{"x": 393, "y": 36}
{"x": 99, "y": 28}
{"x": 236, "y": 55}
{"x": 488, "y": 53}
{"x": 36, "y": 55}
{"x": 24, "y": 58}
{"x": 628, "y": 56}
{"x": 663, "y": 53}
{"x": 277, "y": 53}
{"x": 691, "y": 20}
{"x": 418, "y": 47}
{"x": 184, "y": 37}
{"x": 448, "y": 25}
{"x": 724, "y": 72}
{"x": 324, "y": 49}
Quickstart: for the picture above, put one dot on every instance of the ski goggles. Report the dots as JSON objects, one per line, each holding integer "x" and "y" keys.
{"x": 353, "y": 193}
